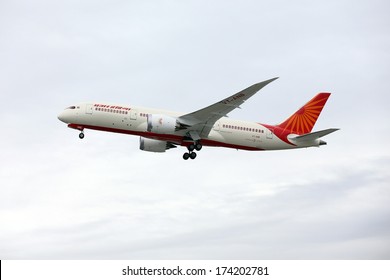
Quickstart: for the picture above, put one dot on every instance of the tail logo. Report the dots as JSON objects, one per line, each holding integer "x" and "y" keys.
{"x": 303, "y": 120}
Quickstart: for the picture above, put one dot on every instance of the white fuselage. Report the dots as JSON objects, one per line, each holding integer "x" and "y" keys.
{"x": 132, "y": 120}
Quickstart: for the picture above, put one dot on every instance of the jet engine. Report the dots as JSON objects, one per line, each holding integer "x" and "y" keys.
{"x": 152, "y": 145}
{"x": 161, "y": 124}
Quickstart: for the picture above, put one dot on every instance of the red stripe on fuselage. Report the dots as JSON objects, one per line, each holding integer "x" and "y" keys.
{"x": 280, "y": 133}
{"x": 176, "y": 139}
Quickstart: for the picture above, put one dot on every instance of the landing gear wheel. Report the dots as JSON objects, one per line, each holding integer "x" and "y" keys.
{"x": 81, "y": 135}
{"x": 191, "y": 147}
{"x": 186, "y": 156}
{"x": 193, "y": 155}
{"x": 198, "y": 146}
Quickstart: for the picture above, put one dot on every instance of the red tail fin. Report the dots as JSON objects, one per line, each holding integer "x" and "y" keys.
{"x": 303, "y": 120}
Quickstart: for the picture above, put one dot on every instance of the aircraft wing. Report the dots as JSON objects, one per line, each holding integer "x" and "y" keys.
{"x": 202, "y": 121}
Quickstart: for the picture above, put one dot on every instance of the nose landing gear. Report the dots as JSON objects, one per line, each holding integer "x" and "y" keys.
{"x": 77, "y": 127}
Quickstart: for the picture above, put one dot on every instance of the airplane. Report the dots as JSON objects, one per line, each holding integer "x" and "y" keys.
{"x": 161, "y": 130}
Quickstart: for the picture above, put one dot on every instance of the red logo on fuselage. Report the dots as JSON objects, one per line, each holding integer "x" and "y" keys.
{"x": 112, "y": 107}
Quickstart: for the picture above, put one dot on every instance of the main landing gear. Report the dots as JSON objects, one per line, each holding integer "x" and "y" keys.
{"x": 81, "y": 135}
{"x": 191, "y": 154}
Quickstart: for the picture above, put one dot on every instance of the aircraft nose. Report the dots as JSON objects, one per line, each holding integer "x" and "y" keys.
{"x": 61, "y": 117}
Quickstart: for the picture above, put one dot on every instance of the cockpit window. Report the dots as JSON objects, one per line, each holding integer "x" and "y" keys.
{"x": 71, "y": 107}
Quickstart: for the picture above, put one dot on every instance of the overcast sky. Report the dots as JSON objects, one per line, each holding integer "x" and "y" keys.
{"x": 103, "y": 198}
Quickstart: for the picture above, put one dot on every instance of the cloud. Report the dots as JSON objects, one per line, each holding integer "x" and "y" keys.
{"x": 103, "y": 213}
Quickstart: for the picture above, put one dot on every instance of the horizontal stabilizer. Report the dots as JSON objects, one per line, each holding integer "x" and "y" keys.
{"x": 312, "y": 136}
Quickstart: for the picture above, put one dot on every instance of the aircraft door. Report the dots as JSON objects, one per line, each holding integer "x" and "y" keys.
{"x": 133, "y": 114}
{"x": 89, "y": 109}
{"x": 270, "y": 133}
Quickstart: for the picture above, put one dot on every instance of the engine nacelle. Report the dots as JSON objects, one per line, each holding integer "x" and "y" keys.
{"x": 161, "y": 124}
{"x": 152, "y": 145}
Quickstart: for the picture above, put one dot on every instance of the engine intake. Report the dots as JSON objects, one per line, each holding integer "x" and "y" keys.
{"x": 152, "y": 145}
{"x": 161, "y": 124}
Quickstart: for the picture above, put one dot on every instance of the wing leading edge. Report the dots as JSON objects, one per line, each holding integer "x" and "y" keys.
{"x": 202, "y": 121}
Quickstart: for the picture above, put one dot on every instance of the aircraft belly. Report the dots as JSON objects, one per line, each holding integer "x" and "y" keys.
{"x": 111, "y": 121}
{"x": 232, "y": 140}
{"x": 216, "y": 136}
{"x": 251, "y": 141}
{"x": 276, "y": 144}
